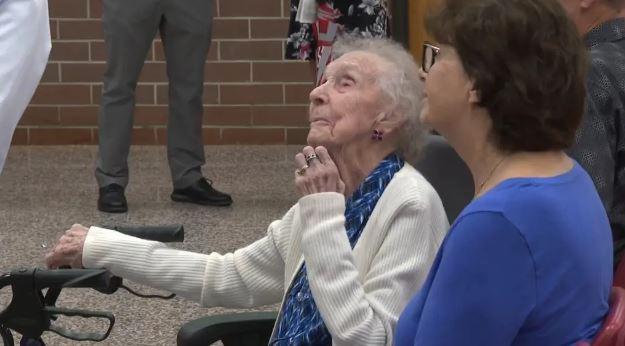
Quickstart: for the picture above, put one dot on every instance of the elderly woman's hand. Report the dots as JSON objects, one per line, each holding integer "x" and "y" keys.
{"x": 316, "y": 172}
{"x": 68, "y": 250}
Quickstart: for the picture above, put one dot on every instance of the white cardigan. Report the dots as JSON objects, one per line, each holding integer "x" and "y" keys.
{"x": 360, "y": 293}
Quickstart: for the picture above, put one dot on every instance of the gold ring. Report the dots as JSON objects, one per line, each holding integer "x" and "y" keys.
{"x": 302, "y": 170}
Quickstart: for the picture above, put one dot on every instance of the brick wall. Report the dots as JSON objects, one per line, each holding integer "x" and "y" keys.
{"x": 252, "y": 96}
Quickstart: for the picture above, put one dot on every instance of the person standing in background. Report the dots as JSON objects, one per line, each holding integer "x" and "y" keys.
{"x": 24, "y": 50}
{"x": 600, "y": 141}
{"x": 129, "y": 28}
{"x": 315, "y": 25}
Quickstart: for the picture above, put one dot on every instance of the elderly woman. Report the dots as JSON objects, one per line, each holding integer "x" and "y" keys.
{"x": 358, "y": 244}
{"x": 529, "y": 261}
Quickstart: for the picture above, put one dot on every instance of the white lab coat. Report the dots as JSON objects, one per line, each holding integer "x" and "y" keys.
{"x": 24, "y": 50}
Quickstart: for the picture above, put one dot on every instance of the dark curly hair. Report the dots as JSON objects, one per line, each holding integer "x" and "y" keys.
{"x": 528, "y": 65}
{"x": 616, "y": 4}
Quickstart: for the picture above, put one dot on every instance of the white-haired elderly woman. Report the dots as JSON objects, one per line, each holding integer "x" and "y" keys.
{"x": 358, "y": 244}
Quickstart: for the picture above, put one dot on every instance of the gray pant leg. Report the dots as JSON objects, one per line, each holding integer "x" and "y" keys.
{"x": 186, "y": 33}
{"x": 129, "y": 28}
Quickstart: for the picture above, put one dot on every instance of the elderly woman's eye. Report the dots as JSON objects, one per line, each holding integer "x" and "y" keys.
{"x": 346, "y": 82}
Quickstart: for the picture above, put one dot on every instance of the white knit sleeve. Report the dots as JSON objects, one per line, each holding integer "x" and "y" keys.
{"x": 364, "y": 309}
{"x": 250, "y": 276}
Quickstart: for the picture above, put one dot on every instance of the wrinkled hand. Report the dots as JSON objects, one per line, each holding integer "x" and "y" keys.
{"x": 319, "y": 175}
{"x": 68, "y": 250}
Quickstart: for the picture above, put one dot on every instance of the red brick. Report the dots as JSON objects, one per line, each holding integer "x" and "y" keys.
{"x": 286, "y": 8}
{"x": 228, "y": 115}
{"x": 95, "y": 8}
{"x": 211, "y": 94}
{"x": 210, "y": 136}
{"x": 54, "y": 30}
{"x": 98, "y": 52}
{"x": 79, "y": 116}
{"x": 59, "y": 94}
{"x": 282, "y": 72}
{"x": 269, "y": 28}
{"x": 296, "y": 136}
{"x": 280, "y": 115}
{"x": 249, "y": 8}
{"x": 227, "y": 72}
{"x": 151, "y": 115}
{"x": 161, "y": 136}
{"x": 159, "y": 53}
{"x": 250, "y": 50}
{"x": 230, "y": 28}
{"x": 89, "y": 29}
{"x": 251, "y": 94}
{"x": 51, "y": 74}
{"x": 82, "y": 72}
{"x": 69, "y": 51}
{"x": 153, "y": 72}
{"x": 144, "y": 94}
{"x": 144, "y": 136}
{"x": 57, "y": 136}
{"x": 252, "y": 136}
{"x": 40, "y": 116}
{"x": 68, "y": 8}
{"x": 20, "y": 137}
{"x": 297, "y": 93}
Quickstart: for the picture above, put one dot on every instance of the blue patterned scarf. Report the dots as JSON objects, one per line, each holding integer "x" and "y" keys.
{"x": 300, "y": 322}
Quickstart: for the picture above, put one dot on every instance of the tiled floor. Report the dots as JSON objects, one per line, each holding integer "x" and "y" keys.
{"x": 44, "y": 190}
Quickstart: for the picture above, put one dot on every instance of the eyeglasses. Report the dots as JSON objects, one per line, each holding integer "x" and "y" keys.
{"x": 430, "y": 52}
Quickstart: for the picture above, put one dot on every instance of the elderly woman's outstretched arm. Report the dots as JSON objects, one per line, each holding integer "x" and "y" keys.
{"x": 250, "y": 276}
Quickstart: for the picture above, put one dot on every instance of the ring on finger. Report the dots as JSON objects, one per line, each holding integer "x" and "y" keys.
{"x": 302, "y": 170}
{"x": 311, "y": 157}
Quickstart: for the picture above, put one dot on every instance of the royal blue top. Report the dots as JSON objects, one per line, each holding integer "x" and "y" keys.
{"x": 528, "y": 263}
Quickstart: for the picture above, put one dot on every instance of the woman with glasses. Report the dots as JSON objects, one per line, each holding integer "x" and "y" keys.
{"x": 359, "y": 243}
{"x": 529, "y": 260}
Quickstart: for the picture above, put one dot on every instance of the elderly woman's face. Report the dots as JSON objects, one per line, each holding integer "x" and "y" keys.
{"x": 344, "y": 107}
{"x": 447, "y": 90}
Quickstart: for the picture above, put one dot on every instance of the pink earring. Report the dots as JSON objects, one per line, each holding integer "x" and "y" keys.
{"x": 377, "y": 135}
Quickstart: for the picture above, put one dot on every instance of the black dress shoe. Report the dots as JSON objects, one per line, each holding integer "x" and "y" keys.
{"x": 202, "y": 192}
{"x": 112, "y": 199}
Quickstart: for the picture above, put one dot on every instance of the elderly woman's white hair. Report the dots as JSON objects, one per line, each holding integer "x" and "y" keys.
{"x": 402, "y": 85}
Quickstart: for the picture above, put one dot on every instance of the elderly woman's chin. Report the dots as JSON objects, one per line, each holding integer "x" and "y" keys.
{"x": 318, "y": 135}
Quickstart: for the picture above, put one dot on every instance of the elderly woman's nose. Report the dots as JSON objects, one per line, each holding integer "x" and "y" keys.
{"x": 318, "y": 95}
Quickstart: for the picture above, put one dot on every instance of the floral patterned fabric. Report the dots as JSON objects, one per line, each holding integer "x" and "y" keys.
{"x": 369, "y": 18}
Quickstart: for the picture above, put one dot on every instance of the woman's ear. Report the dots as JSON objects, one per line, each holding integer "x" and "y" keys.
{"x": 586, "y": 4}
{"x": 386, "y": 121}
{"x": 381, "y": 117}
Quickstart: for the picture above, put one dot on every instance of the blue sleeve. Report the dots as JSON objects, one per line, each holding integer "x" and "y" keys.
{"x": 484, "y": 286}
